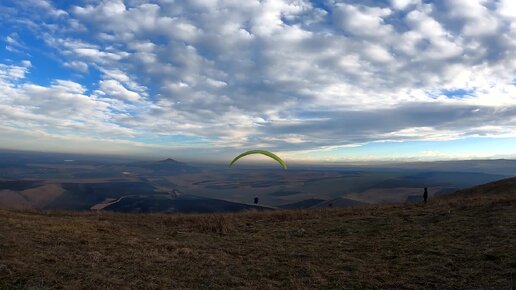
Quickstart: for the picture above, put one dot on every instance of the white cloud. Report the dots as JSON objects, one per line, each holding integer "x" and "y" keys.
{"x": 507, "y": 8}
{"x": 477, "y": 19}
{"x": 40, "y": 140}
{"x": 364, "y": 20}
{"x": 62, "y": 106}
{"x": 126, "y": 80}
{"x": 14, "y": 72}
{"x": 13, "y": 43}
{"x": 77, "y": 65}
{"x": 403, "y": 4}
{"x": 115, "y": 89}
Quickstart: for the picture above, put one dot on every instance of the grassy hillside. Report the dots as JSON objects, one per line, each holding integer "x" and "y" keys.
{"x": 467, "y": 241}
{"x": 505, "y": 188}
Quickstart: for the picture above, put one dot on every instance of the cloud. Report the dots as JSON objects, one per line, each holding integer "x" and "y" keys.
{"x": 63, "y": 106}
{"x": 415, "y": 121}
{"x": 115, "y": 89}
{"x": 286, "y": 75}
{"x": 40, "y": 140}
{"x": 403, "y": 4}
{"x": 363, "y": 21}
{"x": 77, "y": 65}
{"x": 14, "y": 72}
{"x": 14, "y": 44}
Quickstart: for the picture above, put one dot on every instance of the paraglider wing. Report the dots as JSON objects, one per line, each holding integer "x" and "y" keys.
{"x": 264, "y": 152}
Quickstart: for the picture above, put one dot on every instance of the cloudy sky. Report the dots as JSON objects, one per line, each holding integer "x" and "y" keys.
{"x": 309, "y": 80}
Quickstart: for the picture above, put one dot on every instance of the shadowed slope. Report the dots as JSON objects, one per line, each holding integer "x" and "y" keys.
{"x": 502, "y": 188}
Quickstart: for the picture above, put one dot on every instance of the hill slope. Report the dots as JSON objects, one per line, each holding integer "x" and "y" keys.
{"x": 464, "y": 242}
{"x": 502, "y": 188}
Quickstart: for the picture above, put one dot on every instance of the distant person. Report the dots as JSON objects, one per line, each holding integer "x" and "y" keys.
{"x": 425, "y": 195}
{"x": 256, "y": 200}
{"x": 330, "y": 204}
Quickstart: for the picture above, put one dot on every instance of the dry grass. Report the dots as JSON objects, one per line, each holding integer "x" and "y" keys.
{"x": 447, "y": 244}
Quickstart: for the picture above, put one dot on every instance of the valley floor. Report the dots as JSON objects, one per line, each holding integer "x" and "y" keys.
{"x": 462, "y": 243}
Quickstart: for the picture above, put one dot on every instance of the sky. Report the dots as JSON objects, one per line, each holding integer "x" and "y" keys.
{"x": 313, "y": 81}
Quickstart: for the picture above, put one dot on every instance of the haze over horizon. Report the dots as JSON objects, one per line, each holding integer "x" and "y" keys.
{"x": 400, "y": 80}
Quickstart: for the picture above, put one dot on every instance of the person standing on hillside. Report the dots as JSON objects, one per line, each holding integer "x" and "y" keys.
{"x": 256, "y": 200}
{"x": 425, "y": 195}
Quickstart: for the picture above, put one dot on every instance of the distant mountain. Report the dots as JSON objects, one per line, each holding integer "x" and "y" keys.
{"x": 167, "y": 166}
{"x": 170, "y": 160}
{"x": 505, "y": 167}
{"x": 438, "y": 178}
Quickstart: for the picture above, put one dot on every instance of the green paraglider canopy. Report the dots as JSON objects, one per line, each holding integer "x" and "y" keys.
{"x": 263, "y": 152}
